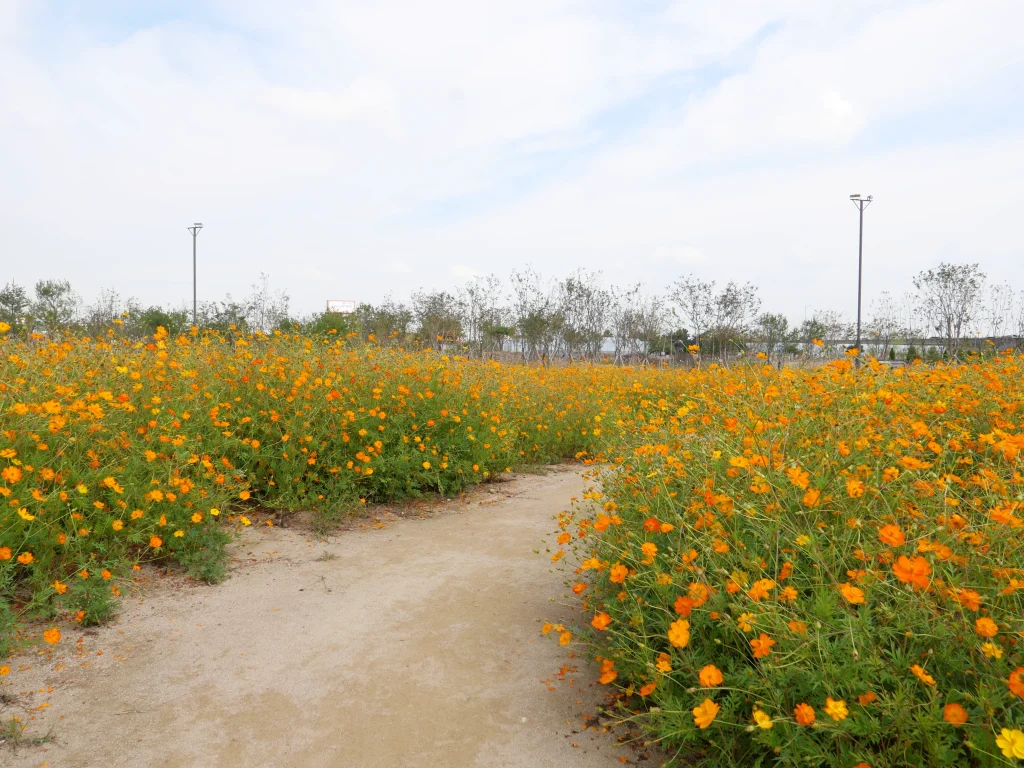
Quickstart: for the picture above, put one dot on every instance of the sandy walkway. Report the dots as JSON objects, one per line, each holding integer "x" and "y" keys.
{"x": 417, "y": 645}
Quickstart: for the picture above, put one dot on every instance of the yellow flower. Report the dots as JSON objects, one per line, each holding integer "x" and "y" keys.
{"x": 4, "y": 327}
{"x": 991, "y": 650}
{"x": 836, "y": 709}
{"x": 763, "y": 720}
{"x": 704, "y": 713}
{"x": 745, "y": 621}
{"x": 24, "y": 515}
{"x": 679, "y": 633}
{"x": 426, "y": 465}
{"x": 1011, "y": 742}
{"x": 803, "y": 540}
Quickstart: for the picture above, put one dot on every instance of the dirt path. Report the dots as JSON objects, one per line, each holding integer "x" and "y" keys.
{"x": 418, "y": 644}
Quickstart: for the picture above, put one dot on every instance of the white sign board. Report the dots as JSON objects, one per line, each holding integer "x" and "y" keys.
{"x": 342, "y": 306}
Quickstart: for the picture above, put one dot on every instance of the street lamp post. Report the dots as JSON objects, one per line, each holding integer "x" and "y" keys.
{"x": 861, "y": 203}
{"x": 194, "y": 229}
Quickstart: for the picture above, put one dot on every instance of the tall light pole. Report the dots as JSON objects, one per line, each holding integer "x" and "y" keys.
{"x": 861, "y": 203}
{"x": 195, "y": 230}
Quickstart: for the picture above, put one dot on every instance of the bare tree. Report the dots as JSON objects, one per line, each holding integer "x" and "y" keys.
{"x": 696, "y": 299}
{"x": 622, "y": 319}
{"x": 535, "y": 314}
{"x": 1000, "y": 310}
{"x": 264, "y": 310}
{"x": 885, "y": 324}
{"x": 774, "y": 331}
{"x": 734, "y": 310}
{"x": 108, "y": 311}
{"x": 479, "y": 300}
{"x": 583, "y": 310}
{"x": 949, "y": 297}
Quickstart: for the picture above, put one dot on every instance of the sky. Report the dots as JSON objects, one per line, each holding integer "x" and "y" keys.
{"x": 352, "y": 150}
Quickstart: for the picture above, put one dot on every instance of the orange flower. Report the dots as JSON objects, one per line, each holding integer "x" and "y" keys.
{"x": 969, "y": 599}
{"x": 52, "y": 636}
{"x": 760, "y": 589}
{"x": 618, "y": 573}
{"x": 762, "y": 646}
{"x": 954, "y": 714}
{"x": 155, "y": 542}
{"x": 683, "y": 606}
{"x": 892, "y": 535}
{"x": 565, "y": 638}
{"x": 5, "y": 553}
{"x": 601, "y": 621}
{"x": 59, "y": 587}
{"x": 578, "y": 587}
{"x": 25, "y": 558}
{"x": 812, "y": 498}
{"x": 710, "y": 676}
{"x": 797, "y": 627}
{"x": 866, "y": 698}
{"x": 1016, "y": 682}
{"x": 853, "y": 594}
{"x": 650, "y": 549}
{"x": 699, "y": 593}
{"x": 705, "y": 713}
{"x": 648, "y": 689}
{"x": 854, "y": 488}
{"x": 804, "y": 713}
{"x": 608, "y": 672}
{"x": 679, "y": 633}
{"x": 664, "y": 663}
{"x": 914, "y": 571}
{"x": 921, "y": 675}
{"x": 986, "y": 627}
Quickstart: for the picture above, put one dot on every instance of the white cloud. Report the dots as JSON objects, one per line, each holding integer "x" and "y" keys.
{"x": 462, "y": 273}
{"x": 364, "y": 149}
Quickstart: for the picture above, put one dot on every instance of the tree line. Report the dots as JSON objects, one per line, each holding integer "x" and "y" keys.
{"x": 950, "y": 312}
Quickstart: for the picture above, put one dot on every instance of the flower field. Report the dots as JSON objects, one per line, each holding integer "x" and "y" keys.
{"x": 795, "y": 567}
{"x": 116, "y": 452}
{"x": 816, "y": 568}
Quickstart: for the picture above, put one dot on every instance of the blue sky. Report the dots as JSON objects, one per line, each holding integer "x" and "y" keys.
{"x": 356, "y": 149}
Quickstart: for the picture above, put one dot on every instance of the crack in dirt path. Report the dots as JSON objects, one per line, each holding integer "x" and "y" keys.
{"x": 418, "y": 644}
